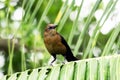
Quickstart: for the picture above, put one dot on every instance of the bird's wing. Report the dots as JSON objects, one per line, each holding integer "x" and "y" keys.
{"x": 69, "y": 55}
{"x": 65, "y": 43}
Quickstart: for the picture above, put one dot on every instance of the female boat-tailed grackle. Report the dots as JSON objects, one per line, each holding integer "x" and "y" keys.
{"x": 56, "y": 44}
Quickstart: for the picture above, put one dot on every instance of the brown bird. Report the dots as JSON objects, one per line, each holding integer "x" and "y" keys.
{"x": 56, "y": 44}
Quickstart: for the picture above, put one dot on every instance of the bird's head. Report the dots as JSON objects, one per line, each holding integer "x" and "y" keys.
{"x": 50, "y": 28}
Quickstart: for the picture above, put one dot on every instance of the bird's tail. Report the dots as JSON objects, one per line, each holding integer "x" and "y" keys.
{"x": 70, "y": 57}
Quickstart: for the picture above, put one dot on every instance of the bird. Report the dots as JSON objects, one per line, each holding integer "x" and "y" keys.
{"x": 56, "y": 44}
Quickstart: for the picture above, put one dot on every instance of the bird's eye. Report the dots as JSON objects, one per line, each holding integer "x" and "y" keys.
{"x": 50, "y": 28}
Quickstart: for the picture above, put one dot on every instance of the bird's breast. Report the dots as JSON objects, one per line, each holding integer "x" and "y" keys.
{"x": 54, "y": 44}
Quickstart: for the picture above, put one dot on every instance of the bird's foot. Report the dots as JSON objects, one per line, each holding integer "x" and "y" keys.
{"x": 51, "y": 64}
{"x": 63, "y": 63}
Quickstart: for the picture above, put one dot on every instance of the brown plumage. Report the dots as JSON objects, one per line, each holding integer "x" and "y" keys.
{"x": 56, "y": 44}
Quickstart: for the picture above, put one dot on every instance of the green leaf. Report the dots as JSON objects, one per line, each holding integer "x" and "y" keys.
{"x": 82, "y": 35}
{"x": 67, "y": 72}
{"x": 54, "y": 73}
{"x": 33, "y": 75}
{"x": 80, "y": 70}
{"x": 113, "y": 63}
{"x": 42, "y": 73}
{"x": 93, "y": 68}
{"x": 23, "y": 75}
{"x": 117, "y": 68}
{"x": 13, "y": 77}
{"x": 4, "y": 78}
{"x": 104, "y": 69}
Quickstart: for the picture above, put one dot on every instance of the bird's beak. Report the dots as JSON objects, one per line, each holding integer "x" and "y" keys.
{"x": 55, "y": 25}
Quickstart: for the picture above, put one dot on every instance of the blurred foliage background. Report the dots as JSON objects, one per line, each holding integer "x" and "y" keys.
{"x": 91, "y": 28}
